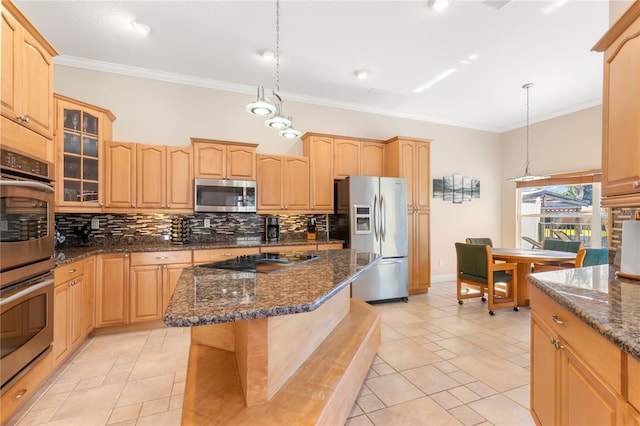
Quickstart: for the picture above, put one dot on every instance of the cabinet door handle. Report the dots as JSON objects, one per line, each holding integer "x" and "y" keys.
{"x": 228, "y": 254}
{"x": 126, "y": 255}
{"x": 71, "y": 271}
{"x": 162, "y": 257}
{"x": 555, "y": 319}
{"x": 20, "y": 394}
{"x": 636, "y": 185}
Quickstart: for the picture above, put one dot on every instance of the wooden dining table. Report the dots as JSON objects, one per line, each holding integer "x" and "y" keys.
{"x": 524, "y": 259}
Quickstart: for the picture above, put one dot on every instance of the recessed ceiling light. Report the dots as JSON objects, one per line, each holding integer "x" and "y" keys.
{"x": 362, "y": 74}
{"x": 438, "y": 4}
{"x": 267, "y": 54}
{"x": 143, "y": 29}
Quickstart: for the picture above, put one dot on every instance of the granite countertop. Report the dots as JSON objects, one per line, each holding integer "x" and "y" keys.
{"x": 211, "y": 296}
{"x": 65, "y": 255}
{"x": 606, "y": 303}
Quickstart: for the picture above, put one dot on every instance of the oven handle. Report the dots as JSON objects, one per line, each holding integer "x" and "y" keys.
{"x": 27, "y": 184}
{"x": 26, "y": 291}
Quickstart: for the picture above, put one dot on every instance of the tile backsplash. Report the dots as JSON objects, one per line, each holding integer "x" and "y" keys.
{"x": 618, "y": 215}
{"x": 153, "y": 228}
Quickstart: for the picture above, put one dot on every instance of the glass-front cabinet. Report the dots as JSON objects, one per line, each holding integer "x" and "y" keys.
{"x": 81, "y": 130}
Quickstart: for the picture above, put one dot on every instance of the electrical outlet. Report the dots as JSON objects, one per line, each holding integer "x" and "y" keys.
{"x": 95, "y": 223}
{"x": 207, "y": 222}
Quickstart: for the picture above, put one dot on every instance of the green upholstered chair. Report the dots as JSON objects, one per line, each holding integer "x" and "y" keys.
{"x": 477, "y": 275}
{"x": 592, "y": 257}
{"x": 481, "y": 241}
{"x": 560, "y": 245}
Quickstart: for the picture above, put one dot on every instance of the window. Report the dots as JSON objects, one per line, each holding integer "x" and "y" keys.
{"x": 561, "y": 209}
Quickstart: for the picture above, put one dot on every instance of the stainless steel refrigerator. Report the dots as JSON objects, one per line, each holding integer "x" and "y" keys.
{"x": 371, "y": 215}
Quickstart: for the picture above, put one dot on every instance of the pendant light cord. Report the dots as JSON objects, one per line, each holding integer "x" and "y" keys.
{"x": 278, "y": 47}
{"x": 526, "y": 164}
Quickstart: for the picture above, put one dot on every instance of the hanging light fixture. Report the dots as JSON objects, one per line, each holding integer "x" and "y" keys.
{"x": 263, "y": 107}
{"x": 527, "y": 173}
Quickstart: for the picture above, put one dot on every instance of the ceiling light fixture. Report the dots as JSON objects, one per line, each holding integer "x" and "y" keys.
{"x": 263, "y": 107}
{"x": 362, "y": 74}
{"x": 438, "y": 4}
{"x": 267, "y": 54}
{"x": 527, "y": 174}
{"x": 143, "y": 29}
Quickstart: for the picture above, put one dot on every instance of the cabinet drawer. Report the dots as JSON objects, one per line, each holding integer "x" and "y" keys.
{"x": 633, "y": 382}
{"x": 160, "y": 257}
{"x": 330, "y": 246}
{"x": 606, "y": 361}
{"x": 68, "y": 272}
{"x": 214, "y": 255}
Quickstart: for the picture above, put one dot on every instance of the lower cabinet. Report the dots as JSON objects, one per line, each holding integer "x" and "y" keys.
{"x": 214, "y": 255}
{"x": 68, "y": 309}
{"x": 112, "y": 289}
{"x": 419, "y": 251}
{"x": 277, "y": 249}
{"x": 153, "y": 277}
{"x": 571, "y": 383}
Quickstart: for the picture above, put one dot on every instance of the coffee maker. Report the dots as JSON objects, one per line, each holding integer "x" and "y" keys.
{"x": 272, "y": 229}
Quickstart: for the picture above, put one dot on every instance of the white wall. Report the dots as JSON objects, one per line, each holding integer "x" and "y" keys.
{"x": 569, "y": 143}
{"x": 158, "y": 112}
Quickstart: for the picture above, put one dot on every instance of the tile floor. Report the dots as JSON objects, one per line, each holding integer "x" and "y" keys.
{"x": 438, "y": 364}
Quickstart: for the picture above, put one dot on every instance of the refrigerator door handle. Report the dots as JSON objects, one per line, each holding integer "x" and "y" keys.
{"x": 375, "y": 216}
{"x": 383, "y": 219}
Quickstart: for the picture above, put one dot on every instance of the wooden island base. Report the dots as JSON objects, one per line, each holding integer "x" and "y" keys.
{"x": 241, "y": 381}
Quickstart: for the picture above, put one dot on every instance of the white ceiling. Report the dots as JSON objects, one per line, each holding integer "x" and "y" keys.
{"x": 403, "y": 45}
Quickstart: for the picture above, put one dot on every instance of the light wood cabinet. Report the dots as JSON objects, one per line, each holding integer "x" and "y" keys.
{"x": 372, "y": 159}
{"x": 319, "y": 149}
{"x": 346, "y": 158}
{"x": 112, "y": 289}
{"x": 224, "y": 160}
{"x": 570, "y": 382}
{"x": 164, "y": 177}
{"x": 26, "y": 88}
{"x": 410, "y": 158}
{"x": 214, "y": 255}
{"x": 68, "y": 310}
{"x": 120, "y": 175}
{"x": 282, "y": 249}
{"x": 358, "y": 158}
{"x": 153, "y": 277}
{"x": 621, "y": 111}
{"x": 283, "y": 183}
{"x": 330, "y": 246}
{"x": 81, "y": 130}
{"x": 89, "y": 296}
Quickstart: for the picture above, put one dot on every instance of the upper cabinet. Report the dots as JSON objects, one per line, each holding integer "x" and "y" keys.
{"x": 372, "y": 158}
{"x": 26, "y": 88}
{"x": 224, "y": 160}
{"x": 283, "y": 184}
{"x": 621, "y": 111}
{"x": 358, "y": 158}
{"x": 120, "y": 175}
{"x": 319, "y": 149}
{"x": 81, "y": 130}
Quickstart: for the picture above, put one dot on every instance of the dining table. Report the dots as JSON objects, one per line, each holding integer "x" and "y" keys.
{"x": 524, "y": 258}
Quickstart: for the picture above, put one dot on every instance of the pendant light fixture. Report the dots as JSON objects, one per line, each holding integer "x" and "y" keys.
{"x": 527, "y": 173}
{"x": 263, "y": 107}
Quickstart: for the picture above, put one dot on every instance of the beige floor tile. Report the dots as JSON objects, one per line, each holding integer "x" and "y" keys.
{"x": 404, "y": 354}
{"x": 445, "y": 354}
{"x": 177, "y": 388}
{"x": 429, "y": 379}
{"x": 445, "y": 366}
{"x": 97, "y": 417}
{"x": 359, "y": 421}
{"x": 36, "y": 417}
{"x": 355, "y": 411}
{"x": 462, "y": 377}
{"x": 61, "y": 387}
{"x": 432, "y": 346}
{"x": 394, "y": 389}
{"x": 50, "y": 400}
{"x": 168, "y": 418}
{"x": 481, "y": 389}
{"x": 445, "y": 400}
{"x": 383, "y": 369}
{"x": 388, "y": 334}
{"x": 466, "y": 415}
{"x": 151, "y": 364}
{"x": 85, "y": 401}
{"x": 369, "y": 403}
{"x": 112, "y": 345}
{"x": 128, "y": 412}
{"x": 520, "y": 395}
{"x": 464, "y": 394}
{"x": 176, "y": 402}
{"x": 455, "y": 326}
{"x": 153, "y": 407}
{"x": 460, "y": 346}
{"x": 146, "y": 389}
{"x": 497, "y": 373}
{"x": 89, "y": 383}
{"x": 501, "y": 410}
{"x": 421, "y": 411}
{"x": 83, "y": 370}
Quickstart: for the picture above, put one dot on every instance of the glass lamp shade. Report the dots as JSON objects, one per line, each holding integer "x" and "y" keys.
{"x": 290, "y": 133}
{"x": 261, "y": 106}
{"x": 278, "y": 121}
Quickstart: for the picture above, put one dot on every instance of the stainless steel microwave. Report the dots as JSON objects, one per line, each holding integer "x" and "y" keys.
{"x": 222, "y": 195}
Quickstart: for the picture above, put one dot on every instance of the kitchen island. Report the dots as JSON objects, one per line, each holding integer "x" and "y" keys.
{"x": 585, "y": 347}
{"x": 289, "y": 347}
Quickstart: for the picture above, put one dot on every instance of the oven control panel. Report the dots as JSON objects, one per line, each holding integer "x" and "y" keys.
{"x": 17, "y": 162}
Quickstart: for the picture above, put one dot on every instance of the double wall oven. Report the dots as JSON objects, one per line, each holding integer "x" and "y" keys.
{"x": 26, "y": 263}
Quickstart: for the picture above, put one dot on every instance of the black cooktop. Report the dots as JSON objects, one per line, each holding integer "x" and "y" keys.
{"x": 262, "y": 262}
